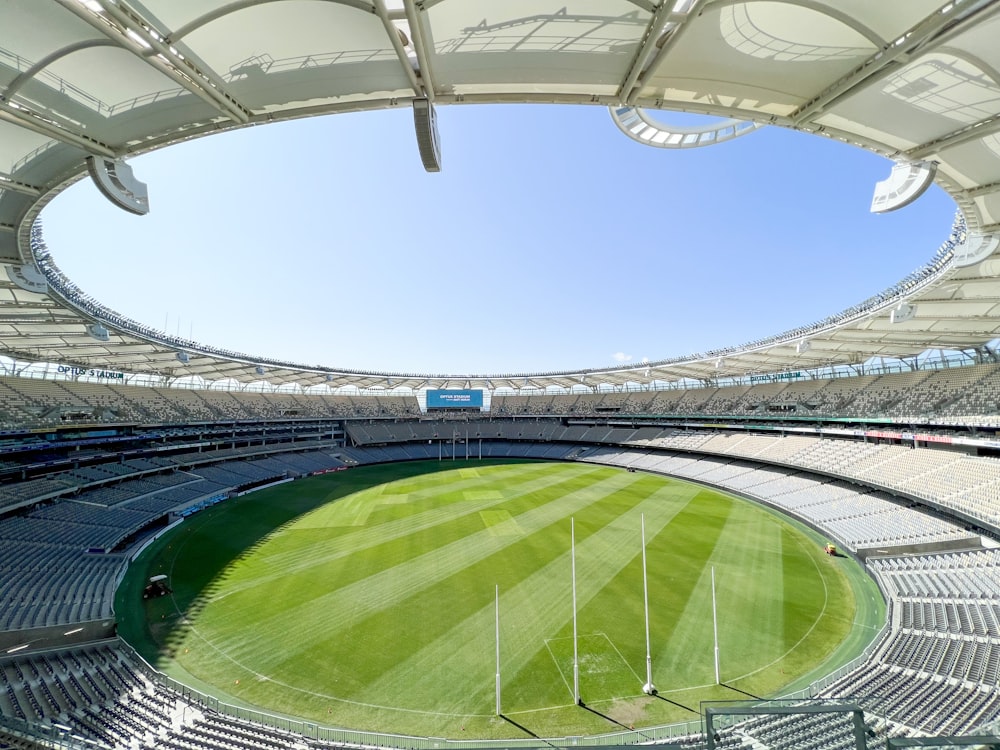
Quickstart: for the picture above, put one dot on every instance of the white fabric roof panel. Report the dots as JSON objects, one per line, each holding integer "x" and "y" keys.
{"x": 888, "y": 20}
{"x": 918, "y": 100}
{"x": 990, "y": 207}
{"x": 910, "y": 79}
{"x": 42, "y": 29}
{"x": 299, "y": 54}
{"x": 972, "y": 164}
{"x": 722, "y": 52}
{"x": 15, "y": 143}
{"x": 533, "y": 45}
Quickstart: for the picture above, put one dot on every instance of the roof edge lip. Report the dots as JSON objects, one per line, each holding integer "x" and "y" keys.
{"x": 62, "y": 288}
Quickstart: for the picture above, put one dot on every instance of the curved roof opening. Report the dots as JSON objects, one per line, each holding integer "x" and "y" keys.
{"x": 548, "y": 242}
{"x": 93, "y": 84}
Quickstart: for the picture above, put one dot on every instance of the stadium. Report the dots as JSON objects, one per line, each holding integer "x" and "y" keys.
{"x": 426, "y": 533}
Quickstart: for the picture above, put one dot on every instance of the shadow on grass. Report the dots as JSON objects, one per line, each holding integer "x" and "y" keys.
{"x": 524, "y": 729}
{"x": 737, "y": 690}
{"x": 157, "y": 627}
{"x": 617, "y": 723}
{"x": 675, "y": 703}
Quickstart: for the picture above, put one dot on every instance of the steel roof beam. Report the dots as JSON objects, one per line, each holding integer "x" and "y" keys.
{"x": 647, "y": 44}
{"x": 397, "y": 44}
{"x": 956, "y": 138}
{"x": 661, "y": 53}
{"x": 420, "y": 45}
{"x": 933, "y": 30}
{"x": 986, "y": 189}
{"x": 134, "y": 34}
{"x": 27, "y": 118}
{"x": 19, "y": 187}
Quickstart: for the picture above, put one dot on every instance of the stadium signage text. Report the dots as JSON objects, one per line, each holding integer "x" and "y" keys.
{"x": 914, "y": 436}
{"x": 775, "y": 377}
{"x": 451, "y": 399}
{"x": 921, "y": 438}
{"x": 884, "y": 435}
{"x": 78, "y": 371}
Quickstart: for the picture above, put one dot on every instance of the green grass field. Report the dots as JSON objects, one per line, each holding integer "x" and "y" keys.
{"x": 365, "y": 599}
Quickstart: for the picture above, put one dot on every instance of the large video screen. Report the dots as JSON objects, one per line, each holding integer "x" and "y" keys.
{"x": 454, "y": 399}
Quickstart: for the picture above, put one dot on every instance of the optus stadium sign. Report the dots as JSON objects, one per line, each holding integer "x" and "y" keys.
{"x": 77, "y": 372}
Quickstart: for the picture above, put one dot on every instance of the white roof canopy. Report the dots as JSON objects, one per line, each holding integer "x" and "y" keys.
{"x": 917, "y": 81}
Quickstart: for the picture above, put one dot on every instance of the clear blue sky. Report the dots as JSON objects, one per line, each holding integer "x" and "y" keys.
{"x": 549, "y": 241}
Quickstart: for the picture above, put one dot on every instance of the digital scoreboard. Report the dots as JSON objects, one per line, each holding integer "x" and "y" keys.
{"x": 454, "y": 399}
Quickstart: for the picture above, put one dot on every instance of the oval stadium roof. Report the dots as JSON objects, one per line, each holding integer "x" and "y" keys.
{"x": 87, "y": 84}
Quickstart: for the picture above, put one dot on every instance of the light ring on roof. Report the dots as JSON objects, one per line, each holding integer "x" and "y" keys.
{"x": 637, "y": 125}
{"x": 975, "y": 248}
{"x": 116, "y": 182}
{"x": 28, "y": 278}
{"x": 902, "y": 312}
{"x": 99, "y": 332}
{"x": 906, "y": 183}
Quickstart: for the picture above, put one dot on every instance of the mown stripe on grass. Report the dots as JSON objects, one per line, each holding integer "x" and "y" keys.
{"x": 436, "y": 490}
{"x": 264, "y": 569}
{"x": 297, "y": 684}
{"x": 749, "y": 586}
{"x": 330, "y": 557}
{"x": 501, "y": 523}
{"x": 680, "y": 610}
{"x": 461, "y": 595}
{"x": 804, "y": 591}
{"x": 458, "y": 665}
{"x": 358, "y": 505}
{"x": 313, "y": 620}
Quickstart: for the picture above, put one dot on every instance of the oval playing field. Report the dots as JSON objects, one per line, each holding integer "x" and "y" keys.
{"x": 366, "y": 599}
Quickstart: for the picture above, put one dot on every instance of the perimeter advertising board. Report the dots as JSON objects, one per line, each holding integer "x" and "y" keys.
{"x": 454, "y": 399}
